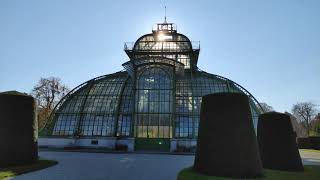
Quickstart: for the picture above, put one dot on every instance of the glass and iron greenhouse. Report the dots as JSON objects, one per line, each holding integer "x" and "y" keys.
{"x": 153, "y": 104}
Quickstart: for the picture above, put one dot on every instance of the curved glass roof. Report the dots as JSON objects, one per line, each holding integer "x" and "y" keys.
{"x": 96, "y": 106}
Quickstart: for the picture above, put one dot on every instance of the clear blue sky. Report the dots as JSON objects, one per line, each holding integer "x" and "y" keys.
{"x": 270, "y": 47}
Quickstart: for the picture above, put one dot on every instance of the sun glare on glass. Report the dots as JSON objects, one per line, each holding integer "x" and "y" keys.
{"x": 162, "y": 37}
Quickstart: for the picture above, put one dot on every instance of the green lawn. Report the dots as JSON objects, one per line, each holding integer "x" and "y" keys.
{"x": 16, "y": 170}
{"x": 310, "y": 173}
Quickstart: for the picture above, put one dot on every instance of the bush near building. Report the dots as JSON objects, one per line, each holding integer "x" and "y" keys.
{"x": 312, "y": 142}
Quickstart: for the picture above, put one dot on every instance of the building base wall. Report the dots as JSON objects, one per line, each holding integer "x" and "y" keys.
{"x": 176, "y": 145}
{"x": 86, "y": 142}
{"x": 56, "y": 142}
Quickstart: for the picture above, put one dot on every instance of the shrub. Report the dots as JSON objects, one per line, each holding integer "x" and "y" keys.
{"x": 191, "y": 149}
{"x": 303, "y": 143}
{"x": 121, "y": 147}
{"x": 315, "y": 142}
{"x": 71, "y": 147}
{"x": 312, "y": 142}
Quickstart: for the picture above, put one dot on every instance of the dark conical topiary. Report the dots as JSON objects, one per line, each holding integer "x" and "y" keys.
{"x": 227, "y": 144}
{"x": 277, "y": 142}
{"x": 18, "y": 129}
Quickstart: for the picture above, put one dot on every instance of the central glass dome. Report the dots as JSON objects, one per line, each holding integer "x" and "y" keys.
{"x": 157, "y": 95}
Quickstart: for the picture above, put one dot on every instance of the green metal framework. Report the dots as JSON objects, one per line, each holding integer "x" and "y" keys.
{"x": 157, "y": 96}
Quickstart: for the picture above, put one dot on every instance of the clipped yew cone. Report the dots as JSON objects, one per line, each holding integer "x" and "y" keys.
{"x": 18, "y": 129}
{"x": 277, "y": 142}
{"x": 227, "y": 144}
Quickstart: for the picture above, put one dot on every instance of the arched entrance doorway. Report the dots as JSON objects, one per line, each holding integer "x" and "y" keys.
{"x": 154, "y": 109}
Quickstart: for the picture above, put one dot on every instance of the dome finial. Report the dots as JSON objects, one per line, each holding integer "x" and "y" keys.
{"x": 165, "y": 14}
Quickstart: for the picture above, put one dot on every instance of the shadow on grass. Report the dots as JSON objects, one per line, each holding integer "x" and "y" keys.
{"x": 17, "y": 170}
{"x": 310, "y": 172}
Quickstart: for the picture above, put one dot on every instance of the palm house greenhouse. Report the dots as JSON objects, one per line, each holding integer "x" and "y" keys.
{"x": 153, "y": 104}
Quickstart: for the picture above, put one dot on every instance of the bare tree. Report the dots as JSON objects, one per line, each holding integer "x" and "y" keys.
{"x": 265, "y": 107}
{"x": 300, "y": 130}
{"x": 48, "y": 92}
{"x": 305, "y": 112}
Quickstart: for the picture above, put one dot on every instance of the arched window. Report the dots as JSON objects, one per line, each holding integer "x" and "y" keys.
{"x": 154, "y": 103}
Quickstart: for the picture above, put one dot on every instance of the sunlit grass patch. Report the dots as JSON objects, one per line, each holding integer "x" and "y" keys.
{"x": 310, "y": 150}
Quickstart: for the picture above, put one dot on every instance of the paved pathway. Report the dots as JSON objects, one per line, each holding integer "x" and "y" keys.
{"x": 107, "y": 166}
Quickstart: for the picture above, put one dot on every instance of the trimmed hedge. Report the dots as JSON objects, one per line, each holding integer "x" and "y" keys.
{"x": 121, "y": 147}
{"x": 315, "y": 142}
{"x": 227, "y": 145}
{"x": 277, "y": 142}
{"x": 191, "y": 149}
{"x": 312, "y": 142}
{"x": 18, "y": 129}
{"x": 304, "y": 143}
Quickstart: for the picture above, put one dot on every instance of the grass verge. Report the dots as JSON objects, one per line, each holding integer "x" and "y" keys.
{"x": 310, "y": 150}
{"x": 310, "y": 173}
{"x": 16, "y": 170}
